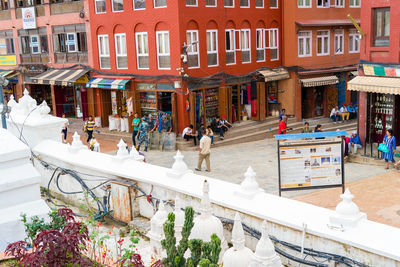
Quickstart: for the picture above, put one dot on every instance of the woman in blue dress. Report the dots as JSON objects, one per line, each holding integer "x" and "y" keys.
{"x": 390, "y": 141}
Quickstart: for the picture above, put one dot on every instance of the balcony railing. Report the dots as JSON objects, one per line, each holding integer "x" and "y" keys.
{"x": 66, "y": 7}
{"x": 35, "y": 58}
{"x": 5, "y": 14}
{"x": 71, "y": 57}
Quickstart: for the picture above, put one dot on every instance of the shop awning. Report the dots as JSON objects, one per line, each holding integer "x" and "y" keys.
{"x": 8, "y": 73}
{"x": 381, "y": 85}
{"x": 107, "y": 83}
{"x": 319, "y": 81}
{"x": 354, "y": 73}
{"x": 274, "y": 74}
{"x": 59, "y": 77}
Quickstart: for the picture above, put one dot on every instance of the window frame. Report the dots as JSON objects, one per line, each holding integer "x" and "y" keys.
{"x": 100, "y": 46}
{"x": 304, "y": 40}
{"x": 356, "y": 36}
{"x": 274, "y": 7}
{"x": 322, "y": 43}
{"x": 274, "y": 41}
{"x": 383, "y": 37}
{"x": 215, "y": 5}
{"x": 342, "y": 5}
{"x": 95, "y": 6}
{"x": 304, "y": 4}
{"x": 154, "y": 4}
{"x": 8, "y": 40}
{"x": 38, "y": 44}
{"x": 248, "y": 4}
{"x": 116, "y": 35}
{"x": 232, "y": 34}
{"x": 328, "y": 6}
{"x": 262, "y": 48}
{"x": 215, "y": 51}
{"x": 233, "y": 4}
{"x": 139, "y": 8}
{"x": 263, "y": 4}
{"x": 112, "y": 7}
{"x": 158, "y": 49}
{"x": 354, "y": 6}
{"x": 138, "y": 53}
{"x": 248, "y": 38}
{"x": 196, "y": 5}
{"x": 191, "y": 53}
{"x": 75, "y": 41}
{"x": 338, "y": 33}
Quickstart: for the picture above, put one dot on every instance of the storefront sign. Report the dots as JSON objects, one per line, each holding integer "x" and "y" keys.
{"x": 145, "y": 86}
{"x": 310, "y": 162}
{"x": 374, "y": 70}
{"x": 28, "y": 18}
{"x": 8, "y": 60}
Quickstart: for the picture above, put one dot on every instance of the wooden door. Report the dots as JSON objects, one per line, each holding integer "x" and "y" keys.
{"x": 261, "y": 101}
{"x": 307, "y": 102}
{"x": 225, "y": 102}
{"x": 174, "y": 113}
{"x": 192, "y": 108}
{"x": 106, "y": 108}
{"x": 229, "y": 104}
{"x": 119, "y": 102}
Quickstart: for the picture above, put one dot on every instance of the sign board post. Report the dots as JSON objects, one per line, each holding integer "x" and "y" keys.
{"x": 310, "y": 161}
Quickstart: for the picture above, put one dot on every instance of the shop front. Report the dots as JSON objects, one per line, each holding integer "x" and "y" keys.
{"x": 62, "y": 89}
{"x": 12, "y": 78}
{"x": 379, "y": 107}
{"x": 318, "y": 96}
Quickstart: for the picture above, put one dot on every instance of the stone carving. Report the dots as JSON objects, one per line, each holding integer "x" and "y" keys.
{"x": 156, "y": 233}
{"x": 179, "y": 218}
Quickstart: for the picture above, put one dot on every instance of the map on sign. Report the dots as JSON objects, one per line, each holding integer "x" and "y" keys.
{"x": 310, "y": 165}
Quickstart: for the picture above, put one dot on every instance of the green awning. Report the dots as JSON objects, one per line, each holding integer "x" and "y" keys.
{"x": 107, "y": 83}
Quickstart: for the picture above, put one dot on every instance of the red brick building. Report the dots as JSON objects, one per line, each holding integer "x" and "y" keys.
{"x": 379, "y": 80}
{"x": 37, "y": 36}
{"x": 321, "y": 45}
{"x": 192, "y": 59}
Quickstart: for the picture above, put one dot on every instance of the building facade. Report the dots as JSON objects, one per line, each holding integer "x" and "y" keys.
{"x": 322, "y": 49}
{"x": 379, "y": 81}
{"x": 39, "y": 36}
{"x": 192, "y": 60}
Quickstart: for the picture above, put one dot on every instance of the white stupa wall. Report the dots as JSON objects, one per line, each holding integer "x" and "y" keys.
{"x": 19, "y": 189}
{"x": 33, "y": 120}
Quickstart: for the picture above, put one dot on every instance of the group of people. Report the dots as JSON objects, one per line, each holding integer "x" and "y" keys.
{"x": 344, "y": 113}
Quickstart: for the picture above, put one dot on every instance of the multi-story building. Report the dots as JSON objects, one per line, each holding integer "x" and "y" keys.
{"x": 46, "y": 38}
{"x": 322, "y": 48}
{"x": 192, "y": 59}
{"x": 379, "y": 80}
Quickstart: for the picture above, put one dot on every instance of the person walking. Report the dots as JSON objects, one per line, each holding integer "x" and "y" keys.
{"x": 205, "y": 151}
{"x": 306, "y": 128}
{"x": 188, "y": 134}
{"x": 355, "y": 142}
{"x": 89, "y": 127}
{"x": 282, "y": 126}
{"x": 135, "y": 124}
{"x": 165, "y": 129}
{"x": 64, "y": 129}
{"x": 143, "y": 135}
{"x": 390, "y": 141}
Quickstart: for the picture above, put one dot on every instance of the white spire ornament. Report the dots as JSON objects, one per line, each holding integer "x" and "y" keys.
{"x": 347, "y": 213}
{"x": 179, "y": 168}
{"x": 249, "y": 188}
{"x": 76, "y": 144}
{"x": 238, "y": 255}
{"x": 265, "y": 255}
{"x": 156, "y": 233}
{"x": 135, "y": 154}
{"x": 122, "y": 151}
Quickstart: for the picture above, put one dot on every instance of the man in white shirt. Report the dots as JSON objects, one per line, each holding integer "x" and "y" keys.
{"x": 188, "y": 134}
{"x": 335, "y": 114}
{"x": 204, "y": 153}
{"x": 345, "y": 113}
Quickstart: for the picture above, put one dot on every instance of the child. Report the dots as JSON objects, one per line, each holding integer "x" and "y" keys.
{"x": 210, "y": 133}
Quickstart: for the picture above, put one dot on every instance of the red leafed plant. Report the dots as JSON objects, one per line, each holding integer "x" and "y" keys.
{"x": 53, "y": 247}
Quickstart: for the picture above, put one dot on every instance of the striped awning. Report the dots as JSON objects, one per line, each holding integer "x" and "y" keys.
{"x": 381, "y": 85}
{"x": 7, "y": 73}
{"x": 59, "y": 77}
{"x": 107, "y": 83}
{"x": 319, "y": 81}
{"x": 274, "y": 74}
{"x": 354, "y": 73}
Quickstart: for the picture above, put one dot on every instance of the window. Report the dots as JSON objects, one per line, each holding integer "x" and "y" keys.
{"x": 4, "y": 4}
{"x": 323, "y": 3}
{"x": 339, "y": 42}
{"x": 322, "y": 43}
{"x": 273, "y": 44}
{"x": 35, "y": 44}
{"x": 304, "y": 43}
{"x": 244, "y": 3}
{"x": 117, "y": 5}
{"x": 142, "y": 50}
{"x": 191, "y": 2}
{"x": 163, "y": 53}
{"x": 7, "y": 43}
{"x": 273, "y": 3}
{"x": 259, "y": 3}
{"x": 104, "y": 52}
{"x": 211, "y": 3}
{"x": 354, "y": 41}
{"x": 260, "y": 45}
{"x": 212, "y": 48}
{"x": 160, "y": 3}
{"x": 229, "y": 3}
{"x": 245, "y": 38}
{"x": 192, "y": 39}
{"x": 100, "y": 6}
{"x": 139, "y": 4}
{"x": 230, "y": 46}
{"x": 120, "y": 51}
{"x": 381, "y": 26}
{"x": 71, "y": 42}
{"x": 304, "y": 3}
{"x": 355, "y": 3}
{"x": 339, "y": 3}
